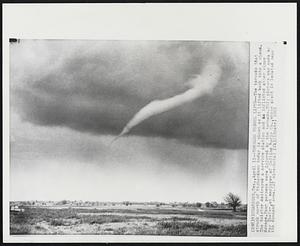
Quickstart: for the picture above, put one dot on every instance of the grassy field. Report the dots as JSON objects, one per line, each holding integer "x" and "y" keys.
{"x": 130, "y": 220}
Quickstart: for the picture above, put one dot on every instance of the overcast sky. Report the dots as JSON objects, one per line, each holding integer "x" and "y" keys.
{"x": 70, "y": 98}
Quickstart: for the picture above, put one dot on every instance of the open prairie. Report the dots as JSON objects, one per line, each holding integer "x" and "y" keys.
{"x": 129, "y": 220}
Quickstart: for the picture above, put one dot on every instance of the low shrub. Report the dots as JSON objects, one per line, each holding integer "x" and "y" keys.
{"x": 57, "y": 222}
{"x": 21, "y": 229}
{"x": 199, "y": 228}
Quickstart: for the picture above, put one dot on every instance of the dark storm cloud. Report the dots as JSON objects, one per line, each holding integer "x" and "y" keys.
{"x": 97, "y": 87}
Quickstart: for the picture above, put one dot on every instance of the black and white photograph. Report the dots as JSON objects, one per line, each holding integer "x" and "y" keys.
{"x": 128, "y": 137}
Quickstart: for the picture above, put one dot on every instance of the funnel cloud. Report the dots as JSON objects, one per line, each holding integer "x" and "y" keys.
{"x": 203, "y": 83}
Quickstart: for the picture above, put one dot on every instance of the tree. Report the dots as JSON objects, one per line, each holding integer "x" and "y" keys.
{"x": 233, "y": 201}
{"x": 64, "y": 202}
{"x": 214, "y": 204}
{"x": 198, "y": 204}
{"x": 207, "y": 204}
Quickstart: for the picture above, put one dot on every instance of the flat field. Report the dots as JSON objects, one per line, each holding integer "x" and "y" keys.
{"x": 129, "y": 220}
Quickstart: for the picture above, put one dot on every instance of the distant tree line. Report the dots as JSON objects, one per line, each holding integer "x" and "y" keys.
{"x": 231, "y": 201}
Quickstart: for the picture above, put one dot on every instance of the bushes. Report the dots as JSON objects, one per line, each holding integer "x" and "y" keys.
{"x": 58, "y": 222}
{"x": 20, "y": 229}
{"x": 199, "y": 228}
{"x": 194, "y": 225}
{"x": 235, "y": 230}
{"x": 97, "y": 219}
